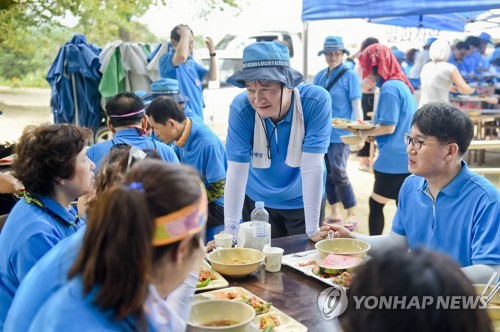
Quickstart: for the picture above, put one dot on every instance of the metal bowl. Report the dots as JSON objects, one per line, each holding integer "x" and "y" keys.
{"x": 236, "y": 262}
{"x": 349, "y": 247}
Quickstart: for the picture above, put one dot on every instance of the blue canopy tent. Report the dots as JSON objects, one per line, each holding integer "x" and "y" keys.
{"x": 449, "y": 22}
{"x": 74, "y": 79}
{"x": 433, "y": 14}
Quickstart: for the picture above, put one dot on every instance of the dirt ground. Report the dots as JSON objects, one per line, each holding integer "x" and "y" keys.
{"x": 22, "y": 107}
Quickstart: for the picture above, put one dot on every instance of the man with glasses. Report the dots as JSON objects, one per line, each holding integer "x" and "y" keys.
{"x": 278, "y": 134}
{"x": 444, "y": 206}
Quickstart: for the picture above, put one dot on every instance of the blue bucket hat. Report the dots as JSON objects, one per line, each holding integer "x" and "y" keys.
{"x": 333, "y": 43}
{"x": 485, "y": 38}
{"x": 266, "y": 61}
{"x": 429, "y": 41}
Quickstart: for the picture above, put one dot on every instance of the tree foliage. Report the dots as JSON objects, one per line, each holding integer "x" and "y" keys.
{"x": 31, "y": 30}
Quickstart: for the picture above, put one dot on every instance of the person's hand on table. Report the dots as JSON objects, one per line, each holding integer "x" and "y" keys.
{"x": 340, "y": 231}
{"x": 322, "y": 234}
{"x": 210, "y": 246}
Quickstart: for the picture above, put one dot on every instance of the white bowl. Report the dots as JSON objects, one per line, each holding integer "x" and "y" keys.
{"x": 352, "y": 139}
{"x": 348, "y": 247}
{"x": 225, "y": 261}
{"x": 238, "y": 313}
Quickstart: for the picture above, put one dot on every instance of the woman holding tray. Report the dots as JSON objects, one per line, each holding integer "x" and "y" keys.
{"x": 392, "y": 119}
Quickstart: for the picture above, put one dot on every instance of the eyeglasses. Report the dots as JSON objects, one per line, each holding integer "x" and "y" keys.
{"x": 334, "y": 53}
{"x": 417, "y": 143}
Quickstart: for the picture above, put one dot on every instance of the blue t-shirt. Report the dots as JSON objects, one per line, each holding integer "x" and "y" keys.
{"x": 29, "y": 233}
{"x": 205, "y": 152}
{"x": 190, "y": 75}
{"x": 130, "y": 136}
{"x": 463, "y": 222}
{"x": 396, "y": 106}
{"x": 279, "y": 186}
{"x": 69, "y": 304}
{"x": 460, "y": 65}
{"x": 45, "y": 278}
{"x": 344, "y": 91}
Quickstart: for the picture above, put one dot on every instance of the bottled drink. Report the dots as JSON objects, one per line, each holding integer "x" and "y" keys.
{"x": 261, "y": 228}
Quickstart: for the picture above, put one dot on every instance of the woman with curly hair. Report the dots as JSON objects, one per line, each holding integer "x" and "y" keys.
{"x": 52, "y": 164}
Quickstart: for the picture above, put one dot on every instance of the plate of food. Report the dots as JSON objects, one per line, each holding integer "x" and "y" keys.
{"x": 361, "y": 124}
{"x": 266, "y": 315}
{"x": 334, "y": 270}
{"x": 340, "y": 123}
{"x": 209, "y": 279}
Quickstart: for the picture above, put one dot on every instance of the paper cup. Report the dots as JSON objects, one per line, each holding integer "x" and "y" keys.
{"x": 273, "y": 258}
{"x": 223, "y": 240}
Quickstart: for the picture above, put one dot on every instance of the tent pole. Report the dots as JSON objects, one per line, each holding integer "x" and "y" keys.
{"x": 73, "y": 86}
{"x": 305, "y": 36}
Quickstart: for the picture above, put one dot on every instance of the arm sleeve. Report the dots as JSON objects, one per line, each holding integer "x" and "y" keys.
{"x": 480, "y": 274}
{"x": 356, "y": 109}
{"x": 236, "y": 181}
{"x": 179, "y": 302}
{"x": 381, "y": 242}
{"x": 311, "y": 170}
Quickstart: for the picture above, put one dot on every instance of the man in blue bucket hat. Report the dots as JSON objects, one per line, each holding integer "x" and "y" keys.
{"x": 344, "y": 87}
{"x": 278, "y": 134}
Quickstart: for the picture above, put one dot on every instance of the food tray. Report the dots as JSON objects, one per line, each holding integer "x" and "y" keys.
{"x": 219, "y": 282}
{"x": 310, "y": 255}
{"x": 342, "y": 125}
{"x": 287, "y": 323}
{"x": 346, "y": 123}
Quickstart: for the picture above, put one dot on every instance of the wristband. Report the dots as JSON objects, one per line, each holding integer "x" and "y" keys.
{"x": 212, "y": 54}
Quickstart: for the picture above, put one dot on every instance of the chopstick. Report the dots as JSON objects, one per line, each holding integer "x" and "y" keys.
{"x": 489, "y": 284}
{"x": 493, "y": 292}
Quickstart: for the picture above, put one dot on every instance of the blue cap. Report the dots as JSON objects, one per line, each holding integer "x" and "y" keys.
{"x": 266, "y": 61}
{"x": 333, "y": 43}
{"x": 485, "y": 38}
{"x": 164, "y": 86}
{"x": 429, "y": 41}
{"x": 400, "y": 55}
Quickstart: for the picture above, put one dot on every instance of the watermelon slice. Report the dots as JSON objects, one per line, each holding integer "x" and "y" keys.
{"x": 334, "y": 263}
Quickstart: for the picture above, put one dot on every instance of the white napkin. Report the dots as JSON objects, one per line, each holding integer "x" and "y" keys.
{"x": 260, "y": 158}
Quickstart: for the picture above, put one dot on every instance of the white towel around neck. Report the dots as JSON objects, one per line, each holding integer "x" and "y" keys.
{"x": 260, "y": 158}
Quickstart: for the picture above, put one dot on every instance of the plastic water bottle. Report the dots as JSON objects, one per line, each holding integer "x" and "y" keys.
{"x": 261, "y": 228}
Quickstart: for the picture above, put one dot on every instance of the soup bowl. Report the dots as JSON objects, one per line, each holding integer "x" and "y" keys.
{"x": 236, "y": 262}
{"x": 220, "y": 315}
{"x": 348, "y": 247}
